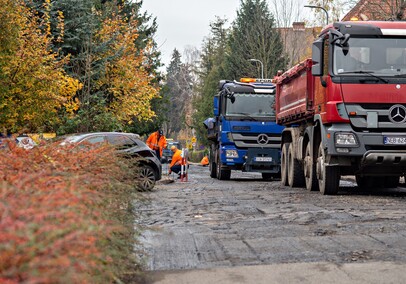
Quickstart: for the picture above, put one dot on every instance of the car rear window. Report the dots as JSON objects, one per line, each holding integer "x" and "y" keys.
{"x": 121, "y": 141}
{"x": 95, "y": 139}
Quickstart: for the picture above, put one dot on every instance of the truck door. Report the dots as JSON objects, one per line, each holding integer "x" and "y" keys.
{"x": 321, "y": 82}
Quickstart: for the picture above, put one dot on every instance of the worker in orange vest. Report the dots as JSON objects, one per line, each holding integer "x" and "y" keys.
{"x": 157, "y": 142}
{"x": 205, "y": 161}
{"x": 177, "y": 161}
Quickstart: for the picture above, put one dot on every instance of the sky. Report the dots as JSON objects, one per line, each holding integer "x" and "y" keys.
{"x": 183, "y": 23}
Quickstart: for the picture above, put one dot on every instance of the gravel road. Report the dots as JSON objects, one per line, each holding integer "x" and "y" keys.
{"x": 206, "y": 223}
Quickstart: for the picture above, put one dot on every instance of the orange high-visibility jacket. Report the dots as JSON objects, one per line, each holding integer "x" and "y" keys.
{"x": 176, "y": 159}
{"x": 155, "y": 144}
{"x": 204, "y": 161}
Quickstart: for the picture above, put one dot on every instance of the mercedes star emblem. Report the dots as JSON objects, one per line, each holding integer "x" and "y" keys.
{"x": 262, "y": 139}
{"x": 397, "y": 114}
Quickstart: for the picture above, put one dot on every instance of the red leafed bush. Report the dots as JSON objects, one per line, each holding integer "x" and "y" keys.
{"x": 62, "y": 215}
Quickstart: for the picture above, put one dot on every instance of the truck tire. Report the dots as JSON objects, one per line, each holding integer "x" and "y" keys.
{"x": 295, "y": 170}
{"x": 267, "y": 176}
{"x": 212, "y": 163}
{"x": 213, "y": 169}
{"x": 366, "y": 182}
{"x": 221, "y": 173}
{"x": 391, "y": 181}
{"x": 328, "y": 177}
{"x": 284, "y": 164}
{"x": 309, "y": 167}
{"x": 369, "y": 182}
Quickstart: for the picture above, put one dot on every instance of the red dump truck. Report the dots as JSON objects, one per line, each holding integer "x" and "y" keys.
{"x": 344, "y": 110}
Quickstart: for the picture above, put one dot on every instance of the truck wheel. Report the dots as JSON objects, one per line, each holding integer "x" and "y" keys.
{"x": 212, "y": 164}
{"x": 370, "y": 182}
{"x": 329, "y": 177}
{"x": 310, "y": 170}
{"x": 295, "y": 171}
{"x": 284, "y": 164}
{"x": 392, "y": 182}
{"x": 213, "y": 169}
{"x": 364, "y": 182}
{"x": 267, "y": 176}
{"x": 221, "y": 173}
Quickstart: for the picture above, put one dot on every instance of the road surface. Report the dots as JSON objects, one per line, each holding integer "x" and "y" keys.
{"x": 247, "y": 230}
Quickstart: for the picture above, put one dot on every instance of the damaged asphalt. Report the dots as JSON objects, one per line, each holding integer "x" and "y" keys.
{"x": 247, "y": 230}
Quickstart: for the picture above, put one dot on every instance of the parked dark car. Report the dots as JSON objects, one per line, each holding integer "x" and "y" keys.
{"x": 167, "y": 153}
{"x": 129, "y": 144}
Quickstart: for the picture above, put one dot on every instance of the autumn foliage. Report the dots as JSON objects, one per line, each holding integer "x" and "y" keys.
{"x": 63, "y": 215}
{"x": 60, "y": 76}
{"x": 126, "y": 79}
{"x": 33, "y": 82}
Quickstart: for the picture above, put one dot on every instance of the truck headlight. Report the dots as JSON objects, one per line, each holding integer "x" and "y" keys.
{"x": 231, "y": 154}
{"x": 345, "y": 139}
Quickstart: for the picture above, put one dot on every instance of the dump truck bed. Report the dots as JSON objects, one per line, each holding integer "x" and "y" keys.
{"x": 295, "y": 95}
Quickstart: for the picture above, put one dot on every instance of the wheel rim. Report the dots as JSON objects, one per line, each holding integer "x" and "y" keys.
{"x": 308, "y": 163}
{"x": 320, "y": 166}
{"x": 147, "y": 178}
{"x": 290, "y": 167}
{"x": 284, "y": 166}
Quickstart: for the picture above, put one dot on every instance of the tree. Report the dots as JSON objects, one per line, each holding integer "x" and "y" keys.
{"x": 212, "y": 69}
{"x": 125, "y": 81}
{"x": 287, "y": 12}
{"x": 290, "y": 21}
{"x": 387, "y": 10}
{"x": 179, "y": 84}
{"x": 34, "y": 83}
{"x": 114, "y": 56}
{"x": 334, "y": 9}
{"x": 253, "y": 36}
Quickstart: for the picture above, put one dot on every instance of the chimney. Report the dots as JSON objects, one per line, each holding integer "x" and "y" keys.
{"x": 298, "y": 26}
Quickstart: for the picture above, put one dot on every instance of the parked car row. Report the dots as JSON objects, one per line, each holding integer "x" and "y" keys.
{"x": 129, "y": 144}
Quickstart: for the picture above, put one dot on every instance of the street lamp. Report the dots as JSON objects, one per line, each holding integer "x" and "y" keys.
{"x": 262, "y": 66}
{"x": 318, "y": 7}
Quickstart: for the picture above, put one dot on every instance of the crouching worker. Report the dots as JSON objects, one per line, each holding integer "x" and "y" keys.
{"x": 177, "y": 161}
{"x": 205, "y": 161}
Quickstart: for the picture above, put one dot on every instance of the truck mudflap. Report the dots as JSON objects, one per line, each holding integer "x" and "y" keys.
{"x": 262, "y": 160}
{"x": 388, "y": 159}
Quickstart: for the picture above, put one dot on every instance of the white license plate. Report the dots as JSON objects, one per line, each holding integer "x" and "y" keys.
{"x": 394, "y": 140}
{"x": 263, "y": 159}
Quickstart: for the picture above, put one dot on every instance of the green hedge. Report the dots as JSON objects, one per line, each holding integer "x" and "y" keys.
{"x": 197, "y": 156}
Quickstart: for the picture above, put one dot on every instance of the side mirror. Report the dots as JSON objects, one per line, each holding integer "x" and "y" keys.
{"x": 317, "y": 57}
{"x": 216, "y": 106}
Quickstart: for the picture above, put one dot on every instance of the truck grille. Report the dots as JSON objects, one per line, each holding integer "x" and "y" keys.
{"x": 376, "y": 116}
{"x": 258, "y": 140}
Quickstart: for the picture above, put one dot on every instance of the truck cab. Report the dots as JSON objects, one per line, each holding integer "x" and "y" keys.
{"x": 243, "y": 132}
{"x": 345, "y": 109}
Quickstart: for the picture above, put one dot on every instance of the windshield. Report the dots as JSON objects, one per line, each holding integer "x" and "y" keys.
{"x": 251, "y": 105}
{"x": 380, "y": 56}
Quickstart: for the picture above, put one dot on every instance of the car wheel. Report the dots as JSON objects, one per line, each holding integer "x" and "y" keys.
{"x": 146, "y": 178}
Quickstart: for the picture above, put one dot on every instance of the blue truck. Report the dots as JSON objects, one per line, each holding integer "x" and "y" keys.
{"x": 243, "y": 133}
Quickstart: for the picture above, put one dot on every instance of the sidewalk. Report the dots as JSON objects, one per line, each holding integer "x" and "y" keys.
{"x": 319, "y": 272}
